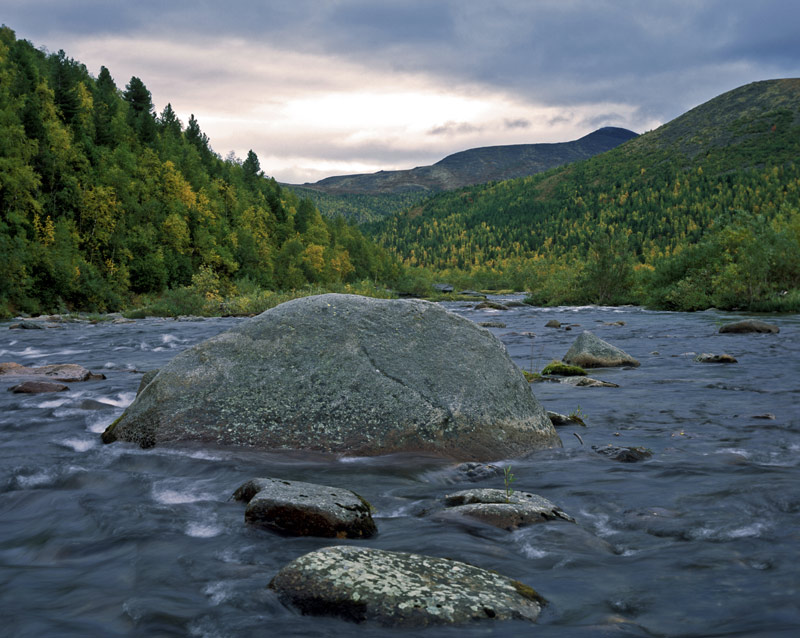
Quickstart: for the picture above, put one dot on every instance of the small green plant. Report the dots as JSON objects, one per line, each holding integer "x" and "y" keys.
{"x": 577, "y": 416}
{"x": 508, "y": 479}
{"x": 562, "y": 369}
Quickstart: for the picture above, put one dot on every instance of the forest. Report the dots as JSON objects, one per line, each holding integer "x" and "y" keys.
{"x": 702, "y": 212}
{"x": 106, "y": 204}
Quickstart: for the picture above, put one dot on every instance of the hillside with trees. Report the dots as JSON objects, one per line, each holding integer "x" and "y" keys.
{"x": 703, "y": 211}
{"x": 102, "y": 200}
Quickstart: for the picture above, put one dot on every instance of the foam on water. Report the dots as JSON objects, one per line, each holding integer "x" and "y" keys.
{"x": 203, "y": 529}
{"x": 79, "y": 445}
{"x": 168, "y": 496}
{"x": 218, "y": 592}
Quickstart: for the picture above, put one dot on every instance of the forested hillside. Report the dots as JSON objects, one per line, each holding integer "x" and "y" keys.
{"x": 102, "y": 199}
{"x": 703, "y": 211}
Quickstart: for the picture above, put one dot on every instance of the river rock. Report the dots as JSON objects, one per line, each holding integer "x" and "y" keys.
{"x": 491, "y": 506}
{"x": 65, "y": 372}
{"x": 705, "y": 357}
{"x": 564, "y": 419}
{"x": 623, "y": 454}
{"x": 147, "y": 377}
{"x": 490, "y": 305}
{"x": 38, "y": 387}
{"x": 749, "y": 325}
{"x": 491, "y": 324}
{"x": 345, "y": 374}
{"x": 587, "y": 382}
{"x": 589, "y": 351}
{"x": 442, "y": 287}
{"x": 26, "y": 325}
{"x": 400, "y": 590}
{"x": 305, "y": 509}
{"x": 553, "y": 323}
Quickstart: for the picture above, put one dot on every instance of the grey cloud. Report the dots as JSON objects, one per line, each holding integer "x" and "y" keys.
{"x": 518, "y": 123}
{"x": 455, "y": 128}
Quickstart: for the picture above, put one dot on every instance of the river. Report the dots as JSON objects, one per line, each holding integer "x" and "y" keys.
{"x": 702, "y": 539}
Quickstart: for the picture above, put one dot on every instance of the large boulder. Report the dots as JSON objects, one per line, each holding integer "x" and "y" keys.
{"x": 590, "y": 351}
{"x": 345, "y": 374}
{"x": 296, "y": 508}
{"x": 749, "y": 325}
{"x": 400, "y": 590}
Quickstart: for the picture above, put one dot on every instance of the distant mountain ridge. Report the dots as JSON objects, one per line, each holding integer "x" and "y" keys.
{"x": 477, "y": 166}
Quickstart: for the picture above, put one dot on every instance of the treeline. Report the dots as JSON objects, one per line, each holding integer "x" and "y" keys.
{"x": 644, "y": 223}
{"x": 360, "y": 207}
{"x": 102, "y": 199}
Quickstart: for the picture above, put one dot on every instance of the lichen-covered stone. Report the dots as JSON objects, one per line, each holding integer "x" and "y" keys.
{"x": 587, "y": 382}
{"x": 296, "y": 508}
{"x": 400, "y": 589}
{"x": 560, "y": 369}
{"x": 749, "y": 325}
{"x": 494, "y": 507}
{"x": 589, "y": 351}
{"x": 345, "y": 374}
{"x": 147, "y": 377}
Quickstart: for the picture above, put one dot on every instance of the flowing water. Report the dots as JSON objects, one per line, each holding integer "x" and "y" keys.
{"x": 700, "y": 540}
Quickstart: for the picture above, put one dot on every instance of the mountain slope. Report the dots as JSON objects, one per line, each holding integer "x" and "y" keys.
{"x": 725, "y": 171}
{"x": 477, "y": 166}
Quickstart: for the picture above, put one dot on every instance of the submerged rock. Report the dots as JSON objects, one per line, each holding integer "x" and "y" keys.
{"x": 587, "y": 382}
{"x": 305, "y": 509}
{"x": 65, "y": 372}
{"x": 749, "y": 325}
{"x": 624, "y": 454}
{"x": 345, "y": 374}
{"x": 490, "y": 305}
{"x": 493, "y": 507}
{"x": 38, "y": 387}
{"x": 715, "y": 358}
{"x": 491, "y": 324}
{"x": 589, "y": 351}
{"x": 553, "y": 323}
{"x": 400, "y": 589}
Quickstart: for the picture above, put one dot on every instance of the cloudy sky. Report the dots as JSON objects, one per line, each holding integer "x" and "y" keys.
{"x": 330, "y": 87}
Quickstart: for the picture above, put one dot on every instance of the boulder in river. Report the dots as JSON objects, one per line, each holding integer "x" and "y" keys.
{"x": 491, "y": 305}
{"x": 295, "y": 508}
{"x": 553, "y": 323}
{"x": 590, "y": 351}
{"x": 349, "y": 375}
{"x": 494, "y": 507}
{"x": 749, "y": 325}
{"x": 624, "y": 454}
{"x": 400, "y": 590}
{"x": 64, "y": 372}
{"x": 38, "y": 387}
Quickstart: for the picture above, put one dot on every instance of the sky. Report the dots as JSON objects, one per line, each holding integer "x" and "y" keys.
{"x": 332, "y": 87}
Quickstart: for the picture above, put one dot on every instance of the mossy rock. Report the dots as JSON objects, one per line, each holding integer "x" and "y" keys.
{"x": 561, "y": 369}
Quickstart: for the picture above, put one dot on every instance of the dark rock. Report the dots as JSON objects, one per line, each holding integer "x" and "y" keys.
{"x": 553, "y": 323}
{"x": 345, "y": 374}
{"x": 66, "y": 372}
{"x": 442, "y": 287}
{"x": 26, "y": 325}
{"x": 491, "y": 324}
{"x": 767, "y": 415}
{"x": 305, "y": 509}
{"x": 473, "y": 471}
{"x": 490, "y": 305}
{"x": 471, "y": 293}
{"x": 400, "y": 590}
{"x": 613, "y": 323}
{"x": 749, "y": 325}
{"x": 515, "y": 304}
{"x": 589, "y": 351}
{"x": 36, "y": 387}
{"x": 624, "y": 454}
{"x": 491, "y": 506}
{"x": 714, "y": 358}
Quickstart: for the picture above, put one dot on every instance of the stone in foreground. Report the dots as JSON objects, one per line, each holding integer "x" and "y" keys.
{"x": 400, "y": 590}
{"x": 749, "y": 325}
{"x": 493, "y": 507}
{"x": 589, "y": 351}
{"x": 295, "y": 508}
{"x": 348, "y": 375}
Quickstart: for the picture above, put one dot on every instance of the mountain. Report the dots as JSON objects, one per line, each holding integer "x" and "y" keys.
{"x": 702, "y": 207}
{"x": 477, "y": 166}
